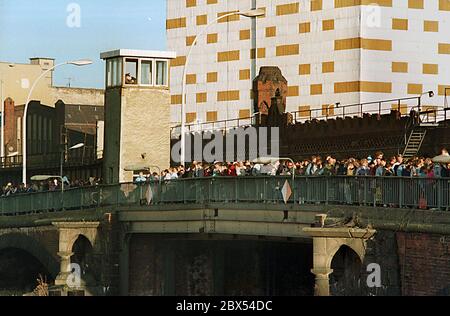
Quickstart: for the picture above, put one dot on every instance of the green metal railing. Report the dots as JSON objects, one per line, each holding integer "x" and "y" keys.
{"x": 421, "y": 193}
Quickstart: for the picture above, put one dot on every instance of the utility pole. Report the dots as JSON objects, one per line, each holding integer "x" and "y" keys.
{"x": 69, "y": 81}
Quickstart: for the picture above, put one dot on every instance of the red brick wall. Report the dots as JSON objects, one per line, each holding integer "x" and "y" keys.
{"x": 265, "y": 86}
{"x": 266, "y": 91}
{"x": 424, "y": 261}
{"x": 10, "y": 126}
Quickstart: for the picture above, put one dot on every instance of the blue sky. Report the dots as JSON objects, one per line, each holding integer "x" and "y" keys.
{"x": 38, "y": 28}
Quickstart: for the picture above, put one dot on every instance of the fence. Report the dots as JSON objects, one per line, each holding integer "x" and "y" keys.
{"x": 223, "y": 125}
{"x": 83, "y": 156}
{"x": 420, "y": 193}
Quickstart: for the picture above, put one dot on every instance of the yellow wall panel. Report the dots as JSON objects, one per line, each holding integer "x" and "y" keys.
{"x": 202, "y": 19}
{"x": 290, "y": 8}
{"x": 304, "y": 69}
{"x": 175, "y": 23}
{"x": 271, "y": 31}
{"x": 415, "y": 4}
{"x": 444, "y": 48}
{"x": 211, "y": 77}
{"x": 228, "y": 56}
{"x": 244, "y": 74}
{"x": 328, "y": 67}
{"x": 191, "y": 3}
{"x": 212, "y": 38}
{"x": 414, "y": 88}
{"x": 316, "y": 5}
{"x": 444, "y": 5}
{"x": 400, "y": 24}
{"x": 286, "y": 50}
{"x": 228, "y": 95}
{"x": 315, "y": 89}
{"x": 304, "y": 27}
{"x": 201, "y": 97}
{"x": 191, "y": 79}
{"x": 430, "y": 69}
{"x": 431, "y": 26}
{"x": 399, "y": 67}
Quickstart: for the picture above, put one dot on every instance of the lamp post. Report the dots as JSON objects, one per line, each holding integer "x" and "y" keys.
{"x": 445, "y": 97}
{"x": 62, "y": 157}
{"x": 430, "y": 94}
{"x": 249, "y": 14}
{"x": 82, "y": 62}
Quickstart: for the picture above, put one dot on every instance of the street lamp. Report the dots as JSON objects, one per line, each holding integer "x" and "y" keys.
{"x": 62, "y": 156}
{"x": 430, "y": 94}
{"x": 445, "y": 97}
{"x": 82, "y": 62}
{"x": 249, "y": 14}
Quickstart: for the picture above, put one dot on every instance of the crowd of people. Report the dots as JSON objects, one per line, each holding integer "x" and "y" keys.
{"x": 377, "y": 165}
{"x": 48, "y": 185}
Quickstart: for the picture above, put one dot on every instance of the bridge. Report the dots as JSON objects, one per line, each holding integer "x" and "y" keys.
{"x": 232, "y": 236}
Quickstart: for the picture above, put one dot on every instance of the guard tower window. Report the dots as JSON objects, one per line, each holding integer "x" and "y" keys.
{"x": 109, "y": 73}
{"x": 114, "y": 72}
{"x": 161, "y": 73}
{"x": 131, "y": 71}
{"x": 118, "y": 72}
{"x": 137, "y": 71}
{"x": 146, "y": 72}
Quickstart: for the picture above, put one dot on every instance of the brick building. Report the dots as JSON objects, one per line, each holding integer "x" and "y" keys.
{"x": 50, "y": 131}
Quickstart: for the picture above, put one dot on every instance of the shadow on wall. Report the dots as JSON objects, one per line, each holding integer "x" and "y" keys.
{"x": 22, "y": 261}
{"x": 183, "y": 266}
{"x": 346, "y": 279}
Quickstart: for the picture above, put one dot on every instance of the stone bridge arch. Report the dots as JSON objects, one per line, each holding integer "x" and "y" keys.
{"x": 32, "y": 247}
{"x": 326, "y": 243}
{"x": 356, "y": 244}
{"x": 69, "y": 233}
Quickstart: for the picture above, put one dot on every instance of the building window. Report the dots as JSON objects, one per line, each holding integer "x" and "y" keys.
{"x": 114, "y": 72}
{"x": 131, "y": 71}
{"x": 118, "y": 72}
{"x": 146, "y": 72}
{"x": 136, "y": 71}
{"x": 161, "y": 73}
{"x": 109, "y": 77}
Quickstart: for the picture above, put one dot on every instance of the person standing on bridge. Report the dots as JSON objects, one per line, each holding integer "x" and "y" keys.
{"x": 141, "y": 178}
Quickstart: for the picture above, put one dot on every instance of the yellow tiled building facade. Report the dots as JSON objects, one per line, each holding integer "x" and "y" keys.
{"x": 330, "y": 51}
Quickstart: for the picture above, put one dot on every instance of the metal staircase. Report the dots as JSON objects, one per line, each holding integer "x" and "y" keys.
{"x": 414, "y": 142}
